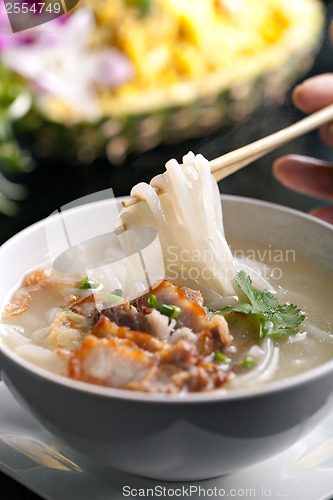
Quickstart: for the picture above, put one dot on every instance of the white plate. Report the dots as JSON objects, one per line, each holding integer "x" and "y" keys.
{"x": 30, "y": 455}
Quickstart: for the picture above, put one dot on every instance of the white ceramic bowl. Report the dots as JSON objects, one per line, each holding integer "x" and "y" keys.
{"x": 164, "y": 437}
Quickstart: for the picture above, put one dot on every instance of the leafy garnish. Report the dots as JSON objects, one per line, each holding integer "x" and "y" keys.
{"x": 274, "y": 319}
{"x": 118, "y": 292}
{"x": 168, "y": 310}
{"x": 220, "y": 357}
{"x": 88, "y": 283}
{"x": 243, "y": 307}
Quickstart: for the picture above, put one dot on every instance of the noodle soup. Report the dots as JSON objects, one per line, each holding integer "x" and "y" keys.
{"x": 202, "y": 434}
{"x": 221, "y": 317}
{"x": 53, "y": 318}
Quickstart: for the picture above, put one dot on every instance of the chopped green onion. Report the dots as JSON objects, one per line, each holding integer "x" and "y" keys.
{"x": 170, "y": 311}
{"x": 176, "y": 311}
{"x": 152, "y": 302}
{"x": 88, "y": 283}
{"x": 222, "y": 358}
{"x": 166, "y": 310}
{"x": 248, "y": 362}
{"x": 118, "y": 292}
{"x": 115, "y": 299}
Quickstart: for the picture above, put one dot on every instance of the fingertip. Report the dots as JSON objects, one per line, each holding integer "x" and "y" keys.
{"x": 282, "y": 166}
{"x": 279, "y": 168}
{"x": 314, "y": 93}
{"x": 276, "y": 167}
{"x": 305, "y": 175}
{"x": 298, "y": 97}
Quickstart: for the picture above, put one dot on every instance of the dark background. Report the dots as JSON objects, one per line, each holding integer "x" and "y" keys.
{"x": 53, "y": 184}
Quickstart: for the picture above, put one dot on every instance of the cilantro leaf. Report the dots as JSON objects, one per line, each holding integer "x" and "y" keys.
{"x": 242, "y": 308}
{"x": 262, "y": 300}
{"x": 274, "y": 319}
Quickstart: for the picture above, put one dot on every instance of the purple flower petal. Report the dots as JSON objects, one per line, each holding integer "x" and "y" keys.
{"x": 60, "y": 63}
{"x": 7, "y": 37}
{"x": 110, "y": 68}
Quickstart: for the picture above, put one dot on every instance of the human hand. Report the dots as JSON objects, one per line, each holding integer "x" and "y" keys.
{"x": 304, "y": 174}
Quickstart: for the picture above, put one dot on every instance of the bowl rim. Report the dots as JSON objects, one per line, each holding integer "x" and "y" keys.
{"x": 215, "y": 396}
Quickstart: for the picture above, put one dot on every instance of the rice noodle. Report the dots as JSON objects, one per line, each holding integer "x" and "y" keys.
{"x": 9, "y": 329}
{"x": 188, "y": 219}
{"x": 41, "y": 357}
{"x": 13, "y": 336}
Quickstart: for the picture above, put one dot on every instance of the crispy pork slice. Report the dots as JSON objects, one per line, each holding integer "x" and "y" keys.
{"x": 109, "y": 329}
{"x": 204, "y": 341}
{"x": 143, "y": 320}
{"x": 173, "y": 378}
{"x": 182, "y": 354}
{"x": 193, "y": 295}
{"x": 119, "y": 362}
{"x": 192, "y": 315}
{"x": 112, "y": 362}
{"x": 125, "y": 315}
{"x": 180, "y": 367}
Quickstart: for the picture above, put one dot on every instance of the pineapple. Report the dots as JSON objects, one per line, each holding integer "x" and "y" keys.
{"x": 197, "y": 64}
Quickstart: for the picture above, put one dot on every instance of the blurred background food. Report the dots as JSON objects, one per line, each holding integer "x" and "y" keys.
{"x": 103, "y": 96}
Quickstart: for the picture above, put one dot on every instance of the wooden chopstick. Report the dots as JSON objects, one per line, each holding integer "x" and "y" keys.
{"x": 235, "y": 160}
